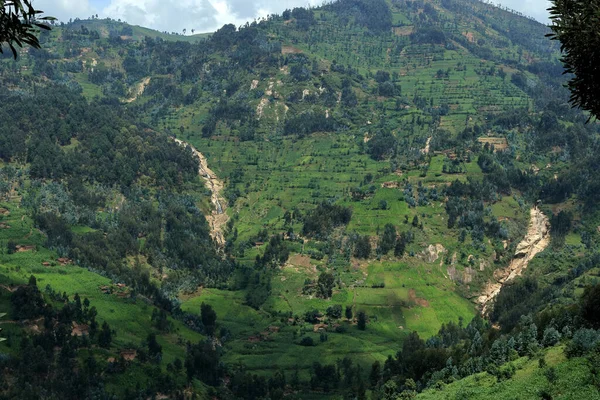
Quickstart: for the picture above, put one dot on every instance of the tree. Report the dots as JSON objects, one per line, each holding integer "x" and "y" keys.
{"x": 375, "y": 375}
{"x": 209, "y": 318}
{"x": 326, "y": 284}
{"x": 348, "y": 313}
{"x": 387, "y": 239}
{"x": 19, "y": 23}
{"x": 334, "y": 311}
{"x": 590, "y": 305}
{"x": 362, "y": 248}
{"x": 415, "y": 221}
{"x": 575, "y": 25}
{"x": 362, "y": 320}
{"x": 105, "y": 336}
{"x": 154, "y": 348}
{"x": 400, "y": 247}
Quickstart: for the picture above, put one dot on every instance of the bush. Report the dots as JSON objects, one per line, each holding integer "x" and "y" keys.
{"x": 551, "y": 337}
{"x": 334, "y": 311}
{"x": 583, "y": 341}
{"x": 307, "y": 341}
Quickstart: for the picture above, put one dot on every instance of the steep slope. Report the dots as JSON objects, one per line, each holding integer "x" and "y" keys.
{"x": 536, "y": 240}
{"x": 376, "y": 156}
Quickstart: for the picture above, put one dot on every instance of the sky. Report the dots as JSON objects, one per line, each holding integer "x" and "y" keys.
{"x": 208, "y": 15}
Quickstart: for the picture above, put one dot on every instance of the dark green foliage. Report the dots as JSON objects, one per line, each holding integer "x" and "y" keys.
{"x": 323, "y": 219}
{"x": 37, "y": 370}
{"x": 154, "y": 348}
{"x": 387, "y": 239}
{"x": 209, "y": 318}
{"x": 275, "y": 255}
{"x": 575, "y": 25}
{"x": 400, "y": 247}
{"x": 307, "y": 341}
{"x": 334, "y": 311}
{"x": 308, "y": 122}
{"x": 583, "y": 341}
{"x": 561, "y": 223}
{"x": 259, "y": 289}
{"x": 349, "y": 98}
{"x": 375, "y": 375}
{"x": 361, "y": 320}
{"x": 324, "y": 377}
{"x": 105, "y": 336}
{"x": 312, "y": 316}
{"x": 590, "y": 305}
{"x": 325, "y": 285}
{"x": 382, "y": 76}
{"x": 106, "y": 151}
{"x": 27, "y": 301}
{"x": 362, "y": 247}
{"x": 202, "y": 362}
{"x": 382, "y": 146}
{"x": 375, "y": 15}
{"x": 513, "y": 301}
{"x": 348, "y": 313}
{"x": 427, "y": 35}
{"x": 161, "y": 321}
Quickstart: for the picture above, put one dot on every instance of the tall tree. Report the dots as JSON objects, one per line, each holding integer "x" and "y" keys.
{"x": 105, "y": 337}
{"x": 362, "y": 320}
{"x": 575, "y": 23}
{"x": 209, "y": 318}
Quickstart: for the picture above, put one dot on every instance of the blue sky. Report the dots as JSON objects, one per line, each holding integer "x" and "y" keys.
{"x": 207, "y": 15}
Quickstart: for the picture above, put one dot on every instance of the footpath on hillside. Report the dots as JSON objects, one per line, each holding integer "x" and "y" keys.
{"x": 218, "y": 218}
{"x": 536, "y": 241}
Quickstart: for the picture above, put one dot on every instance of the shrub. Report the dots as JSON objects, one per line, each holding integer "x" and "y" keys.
{"x": 307, "y": 341}
{"x": 583, "y": 341}
{"x": 551, "y": 337}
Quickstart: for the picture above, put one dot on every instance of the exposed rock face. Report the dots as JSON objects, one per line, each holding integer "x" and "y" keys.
{"x": 432, "y": 253}
{"x": 536, "y": 241}
{"x": 427, "y": 146}
{"x": 218, "y": 219}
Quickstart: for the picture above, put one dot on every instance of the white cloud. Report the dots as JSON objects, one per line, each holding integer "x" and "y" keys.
{"x": 533, "y": 8}
{"x": 164, "y": 15}
{"x": 201, "y": 15}
{"x": 208, "y": 15}
{"x": 65, "y": 9}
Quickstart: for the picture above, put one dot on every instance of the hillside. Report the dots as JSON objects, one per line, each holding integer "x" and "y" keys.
{"x": 329, "y": 181}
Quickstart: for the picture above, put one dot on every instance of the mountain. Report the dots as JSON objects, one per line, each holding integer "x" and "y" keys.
{"x": 318, "y": 204}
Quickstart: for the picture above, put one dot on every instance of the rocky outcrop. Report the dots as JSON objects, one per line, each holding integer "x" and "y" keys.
{"x": 536, "y": 241}
{"x": 432, "y": 253}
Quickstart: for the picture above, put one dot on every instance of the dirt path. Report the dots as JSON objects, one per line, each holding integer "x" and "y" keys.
{"x": 536, "y": 241}
{"x": 218, "y": 218}
{"x": 139, "y": 91}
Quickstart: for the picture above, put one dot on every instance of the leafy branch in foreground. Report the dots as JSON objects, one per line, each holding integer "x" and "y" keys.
{"x": 19, "y": 22}
{"x": 576, "y": 24}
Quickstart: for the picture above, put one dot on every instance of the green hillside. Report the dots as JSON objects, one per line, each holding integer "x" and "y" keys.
{"x": 367, "y": 169}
